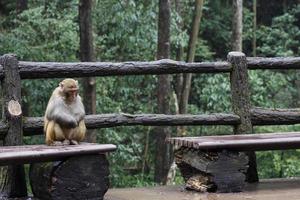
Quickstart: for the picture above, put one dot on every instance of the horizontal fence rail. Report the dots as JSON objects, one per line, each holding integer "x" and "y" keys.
{"x": 31, "y": 70}
{"x": 273, "y": 63}
{"x": 259, "y": 117}
{"x": 35, "y": 70}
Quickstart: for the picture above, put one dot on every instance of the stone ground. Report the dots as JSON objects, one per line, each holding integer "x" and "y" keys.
{"x": 275, "y": 189}
{"x": 272, "y": 189}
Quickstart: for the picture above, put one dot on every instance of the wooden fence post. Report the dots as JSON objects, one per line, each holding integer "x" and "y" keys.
{"x": 12, "y": 178}
{"x": 241, "y": 104}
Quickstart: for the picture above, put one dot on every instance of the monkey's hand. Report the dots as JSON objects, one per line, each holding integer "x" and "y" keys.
{"x": 67, "y": 122}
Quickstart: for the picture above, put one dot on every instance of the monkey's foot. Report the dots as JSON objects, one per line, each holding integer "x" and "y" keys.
{"x": 66, "y": 142}
{"x": 74, "y": 142}
{"x": 57, "y": 143}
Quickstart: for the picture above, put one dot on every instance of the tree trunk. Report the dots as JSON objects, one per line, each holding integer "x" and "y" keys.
{"x": 187, "y": 78}
{"x": 179, "y": 57}
{"x": 22, "y": 5}
{"x": 163, "y": 150}
{"x": 237, "y": 25}
{"x": 87, "y": 54}
{"x": 254, "y": 28}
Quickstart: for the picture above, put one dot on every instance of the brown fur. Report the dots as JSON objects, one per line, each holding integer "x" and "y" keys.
{"x": 64, "y": 117}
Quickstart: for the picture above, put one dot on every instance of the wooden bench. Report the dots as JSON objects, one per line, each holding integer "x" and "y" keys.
{"x": 219, "y": 163}
{"x": 79, "y": 171}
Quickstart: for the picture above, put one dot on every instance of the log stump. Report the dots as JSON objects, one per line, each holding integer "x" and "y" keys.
{"x": 79, "y": 177}
{"x": 212, "y": 171}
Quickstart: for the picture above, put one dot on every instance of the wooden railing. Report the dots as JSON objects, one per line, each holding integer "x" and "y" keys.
{"x": 258, "y": 116}
{"x": 13, "y": 124}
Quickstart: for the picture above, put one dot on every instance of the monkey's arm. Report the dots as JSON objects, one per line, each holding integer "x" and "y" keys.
{"x": 58, "y": 112}
{"x": 78, "y": 110}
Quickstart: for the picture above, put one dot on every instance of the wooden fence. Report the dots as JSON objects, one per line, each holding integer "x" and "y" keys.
{"x": 12, "y": 71}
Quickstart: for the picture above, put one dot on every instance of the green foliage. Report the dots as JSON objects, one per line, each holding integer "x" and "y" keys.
{"x": 42, "y": 35}
{"x": 281, "y": 39}
{"x": 127, "y": 30}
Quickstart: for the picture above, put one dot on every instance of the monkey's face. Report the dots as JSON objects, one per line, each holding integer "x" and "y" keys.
{"x": 71, "y": 95}
{"x": 70, "y": 89}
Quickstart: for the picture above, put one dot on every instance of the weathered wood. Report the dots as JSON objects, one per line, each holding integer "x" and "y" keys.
{"x": 80, "y": 177}
{"x": 38, "y": 153}
{"x": 12, "y": 180}
{"x": 241, "y": 104}
{"x": 255, "y": 142}
{"x": 34, "y": 125}
{"x": 261, "y": 116}
{"x": 32, "y": 70}
{"x": 240, "y": 91}
{"x": 14, "y": 108}
{"x": 273, "y": 63}
{"x": 221, "y": 171}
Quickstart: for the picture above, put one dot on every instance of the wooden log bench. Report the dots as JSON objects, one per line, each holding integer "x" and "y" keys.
{"x": 219, "y": 163}
{"x": 74, "y": 171}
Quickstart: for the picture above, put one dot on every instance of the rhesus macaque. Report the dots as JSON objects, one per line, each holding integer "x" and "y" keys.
{"x": 64, "y": 117}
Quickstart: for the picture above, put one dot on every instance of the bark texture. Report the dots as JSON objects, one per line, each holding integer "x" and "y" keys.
{"x": 187, "y": 78}
{"x": 259, "y": 117}
{"x": 237, "y": 25}
{"x": 212, "y": 171}
{"x": 87, "y": 54}
{"x": 241, "y": 104}
{"x": 80, "y": 177}
{"x": 12, "y": 178}
{"x": 163, "y": 155}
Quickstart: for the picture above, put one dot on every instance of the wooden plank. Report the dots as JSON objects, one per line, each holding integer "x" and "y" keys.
{"x": 40, "y": 153}
{"x": 255, "y": 142}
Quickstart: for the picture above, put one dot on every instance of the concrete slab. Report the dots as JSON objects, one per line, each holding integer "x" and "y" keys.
{"x": 272, "y": 189}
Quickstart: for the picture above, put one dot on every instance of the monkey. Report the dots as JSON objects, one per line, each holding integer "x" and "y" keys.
{"x": 64, "y": 116}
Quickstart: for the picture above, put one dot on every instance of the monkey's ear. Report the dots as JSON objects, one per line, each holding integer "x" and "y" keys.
{"x": 61, "y": 85}
{"x": 76, "y": 82}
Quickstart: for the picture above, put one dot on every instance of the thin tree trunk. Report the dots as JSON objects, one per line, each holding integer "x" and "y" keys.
{"x": 22, "y": 5}
{"x": 163, "y": 151}
{"x": 254, "y": 28}
{"x": 187, "y": 78}
{"x": 237, "y": 25}
{"x": 87, "y": 54}
{"x": 284, "y": 5}
{"x": 179, "y": 57}
{"x": 184, "y": 81}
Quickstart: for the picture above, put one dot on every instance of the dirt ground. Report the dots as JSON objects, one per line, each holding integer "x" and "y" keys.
{"x": 275, "y": 189}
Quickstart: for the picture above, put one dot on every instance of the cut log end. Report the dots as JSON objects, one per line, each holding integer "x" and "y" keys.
{"x": 236, "y": 54}
{"x": 14, "y": 108}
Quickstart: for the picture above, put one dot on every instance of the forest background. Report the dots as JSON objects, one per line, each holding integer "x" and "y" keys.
{"x": 40, "y": 30}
